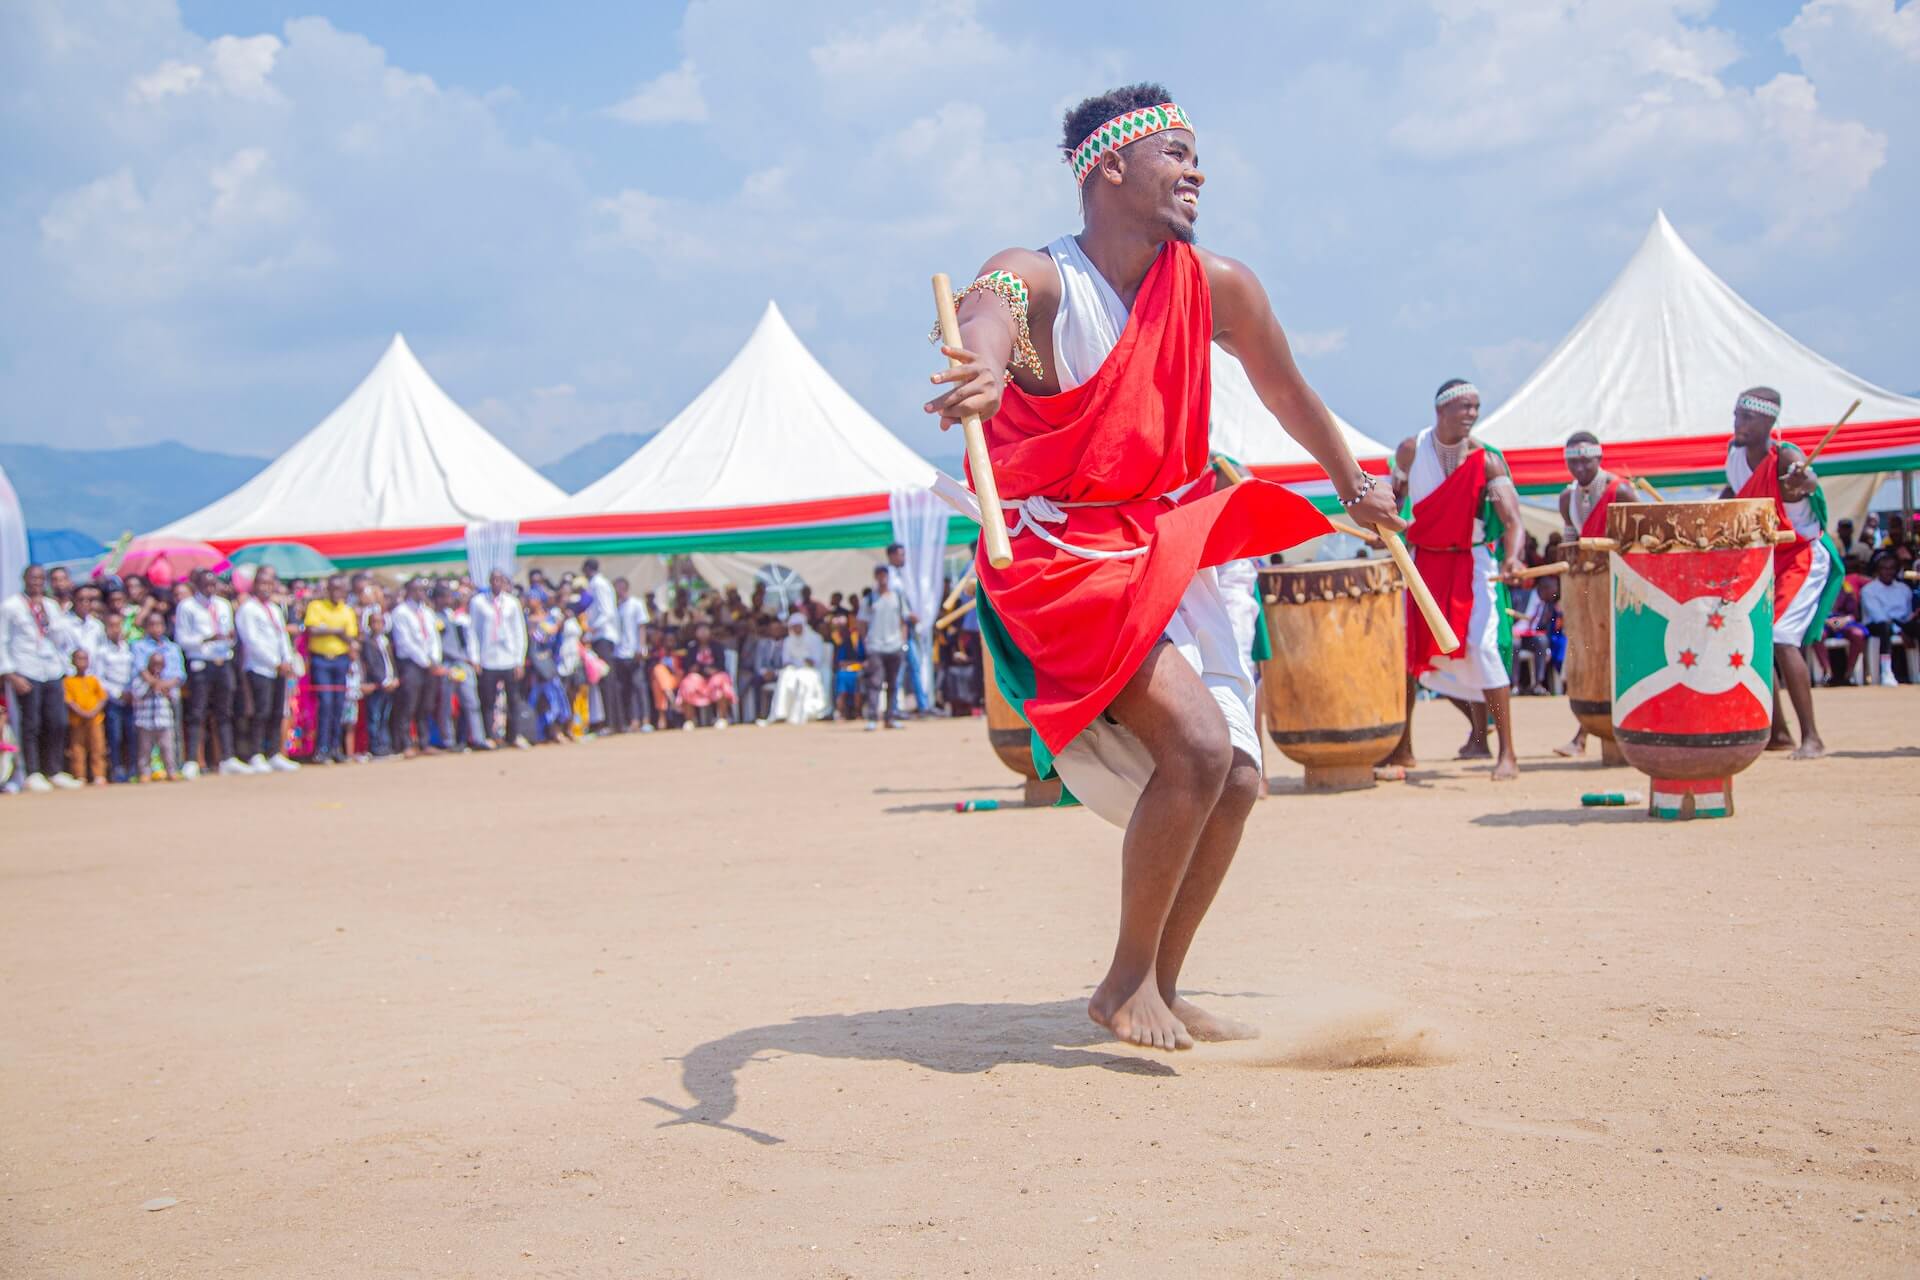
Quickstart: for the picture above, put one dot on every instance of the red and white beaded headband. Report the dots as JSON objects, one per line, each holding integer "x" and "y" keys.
{"x": 1123, "y": 130}
{"x": 1454, "y": 392}
{"x": 1585, "y": 449}
{"x": 1754, "y": 404}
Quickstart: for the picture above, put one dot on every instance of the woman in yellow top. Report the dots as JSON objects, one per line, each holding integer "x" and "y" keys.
{"x": 332, "y": 630}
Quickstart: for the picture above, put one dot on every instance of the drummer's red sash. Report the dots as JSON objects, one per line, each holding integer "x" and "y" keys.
{"x": 1441, "y": 536}
{"x": 1792, "y": 561}
{"x": 1596, "y": 523}
{"x": 1130, "y": 437}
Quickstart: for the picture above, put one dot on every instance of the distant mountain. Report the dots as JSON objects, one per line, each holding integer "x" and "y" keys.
{"x": 105, "y": 492}
{"x": 576, "y": 470}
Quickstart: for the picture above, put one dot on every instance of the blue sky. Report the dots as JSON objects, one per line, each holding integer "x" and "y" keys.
{"x": 215, "y": 214}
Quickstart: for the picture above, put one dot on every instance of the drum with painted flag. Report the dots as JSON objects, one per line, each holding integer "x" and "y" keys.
{"x": 1692, "y": 592}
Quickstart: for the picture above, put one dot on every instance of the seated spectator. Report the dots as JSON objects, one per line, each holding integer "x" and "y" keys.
{"x": 801, "y": 694}
{"x": 706, "y": 693}
{"x": 849, "y": 664}
{"x": 1886, "y": 607}
{"x": 1843, "y": 624}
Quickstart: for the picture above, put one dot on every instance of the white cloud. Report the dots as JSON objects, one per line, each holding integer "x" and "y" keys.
{"x": 1311, "y": 343}
{"x": 240, "y": 66}
{"x": 673, "y": 97}
{"x": 1890, "y": 26}
{"x": 165, "y": 80}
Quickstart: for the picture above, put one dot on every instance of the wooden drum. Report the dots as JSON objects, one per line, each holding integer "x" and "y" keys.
{"x": 1012, "y": 740}
{"x": 1692, "y": 608}
{"x": 1336, "y": 685}
{"x": 1586, "y": 601}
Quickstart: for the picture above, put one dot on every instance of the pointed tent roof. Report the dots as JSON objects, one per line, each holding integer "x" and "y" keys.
{"x": 772, "y": 428}
{"x": 1663, "y": 354}
{"x": 1244, "y": 429}
{"x": 397, "y": 454}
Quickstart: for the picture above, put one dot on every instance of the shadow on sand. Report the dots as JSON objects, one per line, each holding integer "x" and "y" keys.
{"x": 1575, "y": 816}
{"x": 959, "y": 1039}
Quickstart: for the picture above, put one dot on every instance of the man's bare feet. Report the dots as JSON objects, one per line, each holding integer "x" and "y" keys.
{"x": 1810, "y": 748}
{"x": 1780, "y": 742}
{"x": 1402, "y": 758}
{"x": 1210, "y": 1027}
{"x": 1506, "y": 770}
{"x": 1138, "y": 1016}
{"x": 1475, "y": 749}
{"x": 1574, "y": 749}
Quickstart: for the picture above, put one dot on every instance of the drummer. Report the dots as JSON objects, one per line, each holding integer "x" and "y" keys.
{"x": 1458, "y": 487}
{"x": 1583, "y": 514}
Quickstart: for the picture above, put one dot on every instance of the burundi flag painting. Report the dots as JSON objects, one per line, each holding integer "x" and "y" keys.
{"x": 1693, "y": 671}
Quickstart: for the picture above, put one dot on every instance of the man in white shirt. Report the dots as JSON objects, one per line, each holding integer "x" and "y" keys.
{"x": 1886, "y": 609}
{"x": 110, "y": 657}
{"x": 886, "y": 648}
{"x": 499, "y": 651}
{"x": 910, "y": 664}
{"x": 460, "y": 690}
{"x": 416, "y": 648}
{"x": 630, "y": 696}
{"x": 603, "y": 637}
{"x": 203, "y": 628}
{"x": 267, "y": 665}
{"x": 35, "y": 637}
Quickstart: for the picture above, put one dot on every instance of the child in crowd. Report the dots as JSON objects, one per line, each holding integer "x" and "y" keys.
{"x": 153, "y": 717}
{"x": 849, "y": 661}
{"x": 86, "y": 723}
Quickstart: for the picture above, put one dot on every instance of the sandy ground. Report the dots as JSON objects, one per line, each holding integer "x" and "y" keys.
{"x": 759, "y": 1003}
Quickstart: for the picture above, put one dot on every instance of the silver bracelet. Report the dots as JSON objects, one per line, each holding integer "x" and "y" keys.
{"x": 1366, "y": 487}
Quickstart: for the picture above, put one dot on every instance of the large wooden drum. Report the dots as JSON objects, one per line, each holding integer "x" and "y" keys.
{"x": 1692, "y": 606}
{"x": 1012, "y": 740}
{"x": 1585, "y": 597}
{"x": 1335, "y": 688}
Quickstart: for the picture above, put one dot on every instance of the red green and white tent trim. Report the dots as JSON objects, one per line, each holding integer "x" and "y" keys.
{"x": 393, "y": 476}
{"x": 1654, "y": 367}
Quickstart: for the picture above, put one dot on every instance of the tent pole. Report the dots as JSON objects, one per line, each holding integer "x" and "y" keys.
{"x": 1906, "y": 495}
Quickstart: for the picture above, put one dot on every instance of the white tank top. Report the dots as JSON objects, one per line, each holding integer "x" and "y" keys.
{"x": 1799, "y": 514}
{"x": 1091, "y": 316}
{"x": 1427, "y": 474}
{"x": 1581, "y": 501}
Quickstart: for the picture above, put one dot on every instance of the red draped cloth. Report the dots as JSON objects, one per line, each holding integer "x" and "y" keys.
{"x": 1441, "y": 536}
{"x": 1596, "y": 525}
{"x": 1128, "y": 438}
{"x": 1792, "y": 561}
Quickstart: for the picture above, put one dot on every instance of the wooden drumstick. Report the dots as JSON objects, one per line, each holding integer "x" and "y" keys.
{"x": 993, "y": 521}
{"x": 1646, "y": 487}
{"x": 956, "y": 615}
{"x": 1422, "y": 598}
{"x": 1832, "y": 431}
{"x": 1537, "y": 571}
{"x": 1227, "y": 469}
{"x": 959, "y": 589}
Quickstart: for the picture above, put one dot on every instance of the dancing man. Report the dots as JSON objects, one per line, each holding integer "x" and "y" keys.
{"x": 1090, "y": 362}
{"x": 1463, "y": 502}
{"x": 1806, "y": 571}
{"x": 1583, "y": 514}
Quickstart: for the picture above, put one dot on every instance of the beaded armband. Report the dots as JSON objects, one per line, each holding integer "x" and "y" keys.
{"x": 1012, "y": 290}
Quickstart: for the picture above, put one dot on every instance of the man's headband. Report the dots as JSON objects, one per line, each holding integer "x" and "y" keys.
{"x": 1123, "y": 130}
{"x": 1454, "y": 392}
{"x": 1585, "y": 449}
{"x": 1754, "y": 404}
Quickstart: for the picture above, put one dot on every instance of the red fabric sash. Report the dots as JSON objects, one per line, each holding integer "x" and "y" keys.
{"x": 1792, "y": 561}
{"x": 1442, "y": 540}
{"x": 1130, "y": 435}
{"x": 1596, "y": 525}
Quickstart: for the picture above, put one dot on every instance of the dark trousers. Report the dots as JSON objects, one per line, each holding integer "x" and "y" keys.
{"x": 613, "y": 693}
{"x": 883, "y": 679}
{"x": 625, "y": 693}
{"x": 210, "y": 698}
{"x": 1893, "y": 637}
{"x": 330, "y": 704}
{"x": 43, "y": 727}
{"x": 418, "y": 703}
{"x": 492, "y": 684}
{"x": 756, "y": 694}
{"x": 378, "y": 707}
{"x": 119, "y": 741}
{"x": 260, "y": 730}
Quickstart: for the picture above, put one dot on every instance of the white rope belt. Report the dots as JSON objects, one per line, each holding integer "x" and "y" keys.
{"x": 1034, "y": 513}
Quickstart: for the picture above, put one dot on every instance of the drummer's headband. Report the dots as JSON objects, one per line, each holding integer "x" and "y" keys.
{"x": 1585, "y": 449}
{"x": 1123, "y": 130}
{"x": 1754, "y": 404}
{"x": 1454, "y": 392}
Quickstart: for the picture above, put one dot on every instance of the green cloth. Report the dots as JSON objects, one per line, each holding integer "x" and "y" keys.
{"x": 1502, "y": 598}
{"x": 1836, "y": 572}
{"x": 1013, "y": 673}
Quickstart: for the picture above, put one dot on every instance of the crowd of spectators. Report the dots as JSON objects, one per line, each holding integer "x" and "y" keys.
{"x": 112, "y": 679}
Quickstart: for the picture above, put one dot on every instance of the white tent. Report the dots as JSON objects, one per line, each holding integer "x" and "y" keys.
{"x": 1244, "y": 429}
{"x": 772, "y": 428}
{"x": 1663, "y": 354}
{"x": 397, "y": 454}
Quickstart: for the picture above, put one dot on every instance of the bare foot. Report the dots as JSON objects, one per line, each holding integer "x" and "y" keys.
{"x": 1506, "y": 770}
{"x": 1210, "y": 1027}
{"x": 1780, "y": 742}
{"x": 1137, "y": 1017}
{"x": 1574, "y": 749}
{"x": 1476, "y": 749}
{"x": 1810, "y": 748}
{"x": 1402, "y": 758}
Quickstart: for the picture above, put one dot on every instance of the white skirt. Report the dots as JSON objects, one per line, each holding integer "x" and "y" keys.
{"x": 1106, "y": 767}
{"x": 1475, "y": 667}
{"x": 1791, "y": 626}
{"x": 799, "y": 697}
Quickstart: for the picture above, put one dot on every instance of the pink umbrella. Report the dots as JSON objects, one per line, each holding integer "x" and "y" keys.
{"x": 164, "y": 561}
